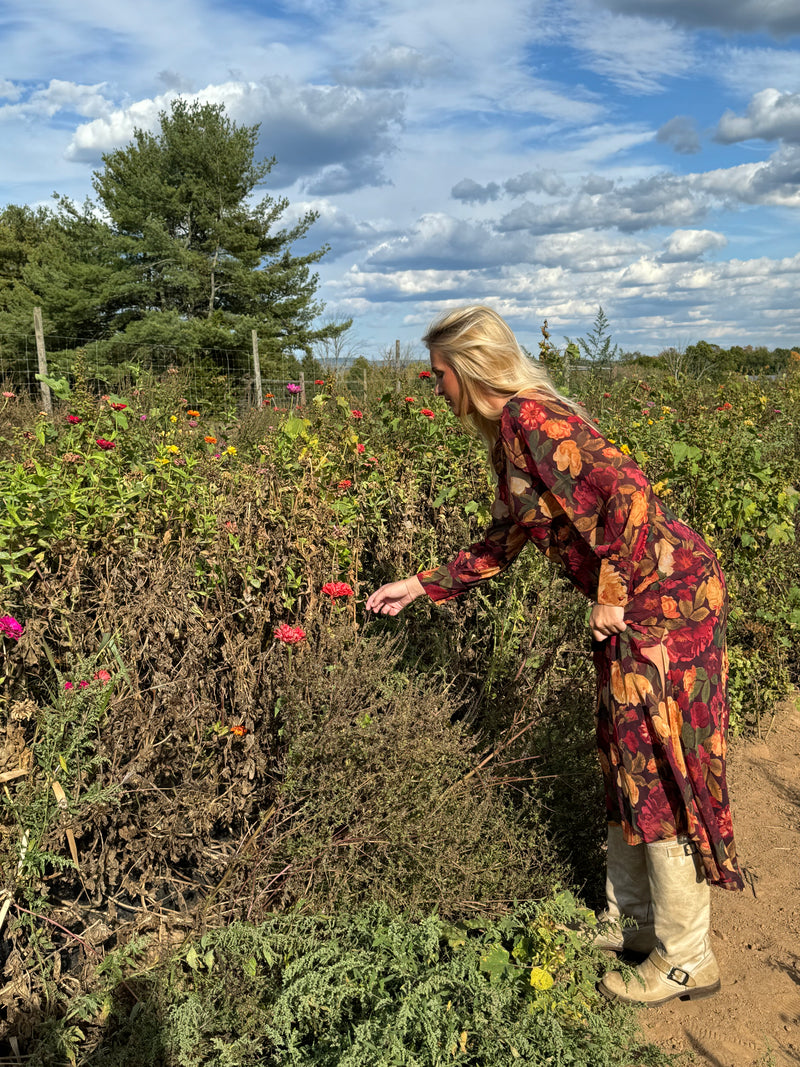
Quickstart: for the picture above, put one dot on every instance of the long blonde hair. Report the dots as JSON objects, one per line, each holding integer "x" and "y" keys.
{"x": 486, "y": 358}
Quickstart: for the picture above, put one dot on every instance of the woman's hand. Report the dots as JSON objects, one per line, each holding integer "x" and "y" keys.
{"x": 392, "y": 598}
{"x": 606, "y": 620}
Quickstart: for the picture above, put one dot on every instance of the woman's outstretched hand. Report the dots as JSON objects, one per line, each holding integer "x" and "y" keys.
{"x": 606, "y": 620}
{"x": 392, "y": 598}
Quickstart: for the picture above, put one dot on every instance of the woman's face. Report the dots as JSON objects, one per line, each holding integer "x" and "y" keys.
{"x": 446, "y": 382}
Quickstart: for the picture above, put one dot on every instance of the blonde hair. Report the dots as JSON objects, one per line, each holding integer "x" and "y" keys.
{"x": 486, "y": 358}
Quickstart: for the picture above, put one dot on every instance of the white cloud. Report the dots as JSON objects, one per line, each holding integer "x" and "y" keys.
{"x": 742, "y": 69}
{"x": 308, "y": 128}
{"x": 771, "y": 115}
{"x": 684, "y": 245}
{"x": 58, "y": 96}
{"x": 389, "y": 67}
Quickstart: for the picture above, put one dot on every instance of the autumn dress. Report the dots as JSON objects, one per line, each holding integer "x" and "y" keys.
{"x": 662, "y": 705}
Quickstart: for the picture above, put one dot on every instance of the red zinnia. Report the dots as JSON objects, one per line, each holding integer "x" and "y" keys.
{"x": 410, "y": 400}
{"x": 357, "y": 414}
{"x": 424, "y": 374}
{"x": 337, "y": 589}
{"x": 104, "y": 444}
{"x": 289, "y": 635}
{"x": 119, "y": 407}
{"x": 74, "y": 418}
{"x": 345, "y": 483}
{"x": 361, "y": 448}
{"x": 318, "y": 381}
{"x": 427, "y": 412}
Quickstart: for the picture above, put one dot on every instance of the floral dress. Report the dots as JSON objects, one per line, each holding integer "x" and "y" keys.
{"x": 662, "y": 711}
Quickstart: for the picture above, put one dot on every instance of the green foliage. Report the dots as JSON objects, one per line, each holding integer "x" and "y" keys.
{"x": 376, "y": 987}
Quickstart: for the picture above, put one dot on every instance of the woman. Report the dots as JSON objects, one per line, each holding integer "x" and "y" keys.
{"x": 658, "y": 623}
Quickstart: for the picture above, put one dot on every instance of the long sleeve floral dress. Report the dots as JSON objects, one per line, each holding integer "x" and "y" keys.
{"x": 662, "y": 711}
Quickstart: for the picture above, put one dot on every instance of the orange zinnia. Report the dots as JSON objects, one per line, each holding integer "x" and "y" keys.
{"x": 210, "y": 440}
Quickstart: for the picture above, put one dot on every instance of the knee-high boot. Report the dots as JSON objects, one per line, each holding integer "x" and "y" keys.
{"x": 627, "y": 896}
{"x": 682, "y": 963}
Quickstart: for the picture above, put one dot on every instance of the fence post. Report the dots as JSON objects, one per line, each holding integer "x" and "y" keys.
{"x": 257, "y": 370}
{"x": 397, "y": 365}
{"x": 47, "y": 399}
{"x": 303, "y": 388}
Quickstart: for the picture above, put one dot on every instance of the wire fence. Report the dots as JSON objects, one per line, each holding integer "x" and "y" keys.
{"x": 107, "y": 367}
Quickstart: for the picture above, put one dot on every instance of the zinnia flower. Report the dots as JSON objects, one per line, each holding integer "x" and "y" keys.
{"x": 289, "y": 635}
{"x": 82, "y": 685}
{"x": 410, "y": 400}
{"x": 10, "y": 396}
{"x": 345, "y": 483}
{"x": 318, "y": 381}
{"x": 101, "y": 442}
{"x": 11, "y": 627}
{"x": 424, "y": 374}
{"x": 292, "y": 388}
{"x": 269, "y": 396}
{"x": 174, "y": 450}
{"x": 361, "y": 448}
{"x": 239, "y": 730}
{"x": 210, "y": 440}
{"x": 427, "y": 412}
{"x": 192, "y": 423}
{"x": 230, "y": 450}
{"x": 194, "y": 414}
{"x": 357, "y": 414}
{"x": 119, "y": 407}
{"x": 74, "y": 418}
{"x": 337, "y": 589}
{"x": 173, "y": 418}
{"x": 102, "y": 676}
{"x": 68, "y": 685}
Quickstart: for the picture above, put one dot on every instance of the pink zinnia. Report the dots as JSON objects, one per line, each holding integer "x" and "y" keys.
{"x": 102, "y": 676}
{"x": 10, "y": 627}
{"x": 361, "y": 448}
{"x": 104, "y": 444}
{"x": 74, "y": 418}
{"x": 68, "y": 685}
{"x": 82, "y": 685}
{"x": 10, "y": 396}
{"x": 337, "y": 589}
{"x": 289, "y": 635}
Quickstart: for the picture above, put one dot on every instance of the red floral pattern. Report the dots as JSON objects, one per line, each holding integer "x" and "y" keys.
{"x": 662, "y": 711}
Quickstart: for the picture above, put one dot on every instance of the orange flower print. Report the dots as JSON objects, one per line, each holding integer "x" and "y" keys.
{"x": 715, "y": 594}
{"x": 669, "y": 608}
{"x": 689, "y": 678}
{"x": 567, "y": 456}
{"x": 611, "y": 589}
{"x": 558, "y": 429}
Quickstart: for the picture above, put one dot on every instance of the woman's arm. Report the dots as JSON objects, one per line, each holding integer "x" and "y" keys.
{"x": 394, "y": 596}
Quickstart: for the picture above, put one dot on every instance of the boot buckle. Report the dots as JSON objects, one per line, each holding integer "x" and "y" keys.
{"x": 672, "y": 976}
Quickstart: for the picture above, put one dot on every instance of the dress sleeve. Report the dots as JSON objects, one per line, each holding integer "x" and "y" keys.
{"x": 501, "y": 544}
{"x": 604, "y": 494}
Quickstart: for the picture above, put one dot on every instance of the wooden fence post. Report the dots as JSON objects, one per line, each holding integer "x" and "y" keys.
{"x": 257, "y": 370}
{"x": 47, "y": 399}
{"x": 397, "y": 365}
{"x": 302, "y": 388}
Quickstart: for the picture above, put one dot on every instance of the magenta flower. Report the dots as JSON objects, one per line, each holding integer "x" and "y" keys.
{"x": 10, "y": 627}
{"x": 292, "y": 388}
{"x": 74, "y": 418}
{"x": 82, "y": 685}
{"x": 68, "y": 685}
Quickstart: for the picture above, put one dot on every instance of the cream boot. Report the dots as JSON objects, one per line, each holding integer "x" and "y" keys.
{"x": 682, "y": 963}
{"x": 627, "y": 895}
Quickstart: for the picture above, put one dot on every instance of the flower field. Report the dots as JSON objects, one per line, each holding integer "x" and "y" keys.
{"x": 211, "y": 756}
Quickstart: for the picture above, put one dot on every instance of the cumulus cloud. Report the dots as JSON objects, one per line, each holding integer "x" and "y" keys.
{"x": 441, "y": 242}
{"x": 684, "y": 245}
{"x": 338, "y": 228}
{"x": 58, "y": 96}
{"x": 9, "y": 90}
{"x": 471, "y": 192}
{"x": 535, "y": 181}
{"x": 681, "y": 133}
{"x": 770, "y": 116}
{"x": 781, "y": 18}
{"x": 389, "y": 67}
{"x": 307, "y": 127}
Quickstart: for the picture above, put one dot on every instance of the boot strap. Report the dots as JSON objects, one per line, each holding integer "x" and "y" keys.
{"x": 674, "y": 974}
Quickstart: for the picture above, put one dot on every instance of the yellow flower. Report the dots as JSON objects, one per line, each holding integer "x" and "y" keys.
{"x": 612, "y": 440}
{"x": 174, "y": 450}
{"x": 749, "y": 422}
{"x": 625, "y": 449}
{"x": 162, "y": 459}
{"x": 659, "y": 487}
{"x": 230, "y": 451}
{"x": 649, "y": 422}
{"x": 173, "y": 418}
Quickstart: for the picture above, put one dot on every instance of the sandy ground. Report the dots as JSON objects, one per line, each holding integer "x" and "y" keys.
{"x": 754, "y": 1021}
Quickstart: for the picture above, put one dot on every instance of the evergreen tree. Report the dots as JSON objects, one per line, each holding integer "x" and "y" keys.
{"x": 175, "y": 251}
{"x": 596, "y": 346}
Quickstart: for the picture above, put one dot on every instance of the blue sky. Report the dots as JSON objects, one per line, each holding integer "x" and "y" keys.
{"x": 545, "y": 157}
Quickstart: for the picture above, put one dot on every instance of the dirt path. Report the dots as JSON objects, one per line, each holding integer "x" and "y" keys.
{"x": 754, "y": 1021}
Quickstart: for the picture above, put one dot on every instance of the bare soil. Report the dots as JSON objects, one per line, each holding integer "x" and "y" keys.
{"x": 754, "y": 1021}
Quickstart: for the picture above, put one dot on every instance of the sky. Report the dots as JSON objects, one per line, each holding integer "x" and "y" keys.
{"x": 545, "y": 157}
